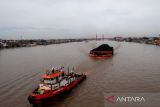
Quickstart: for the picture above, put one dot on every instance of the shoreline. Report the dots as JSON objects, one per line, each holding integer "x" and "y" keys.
{"x": 141, "y": 40}
{"x": 4, "y": 44}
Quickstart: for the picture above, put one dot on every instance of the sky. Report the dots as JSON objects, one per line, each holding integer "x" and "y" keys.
{"x": 78, "y": 18}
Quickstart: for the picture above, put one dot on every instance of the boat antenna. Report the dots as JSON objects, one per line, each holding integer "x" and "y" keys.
{"x": 68, "y": 69}
{"x": 72, "y": 70}
{"x": 96, "y": 37}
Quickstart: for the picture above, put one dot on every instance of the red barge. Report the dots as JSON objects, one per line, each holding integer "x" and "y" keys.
{"x": 103, "y": 51}
{"x": 55, "y": 82}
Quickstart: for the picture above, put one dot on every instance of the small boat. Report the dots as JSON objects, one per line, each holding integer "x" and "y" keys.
{"x": 54, "y": 82}
{"x": 103, "y": 51}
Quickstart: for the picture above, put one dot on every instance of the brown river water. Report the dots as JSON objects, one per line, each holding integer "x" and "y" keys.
{"x": 134, "y": 68}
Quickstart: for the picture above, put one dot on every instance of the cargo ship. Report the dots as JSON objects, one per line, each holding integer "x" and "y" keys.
{"x": 54, "y": 82}
{"x": 103, "y": 51}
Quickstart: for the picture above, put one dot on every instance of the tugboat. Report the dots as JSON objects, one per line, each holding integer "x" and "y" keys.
{"x": 54, "y": 82}
{"x": 103, "y": 51}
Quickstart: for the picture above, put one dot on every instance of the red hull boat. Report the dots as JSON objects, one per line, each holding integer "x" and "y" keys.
{"x": 55, "y": 83}
{"x": 103, "y": 51}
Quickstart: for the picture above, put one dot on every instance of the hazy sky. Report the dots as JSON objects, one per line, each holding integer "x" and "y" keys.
{"x": 78, "y": 18}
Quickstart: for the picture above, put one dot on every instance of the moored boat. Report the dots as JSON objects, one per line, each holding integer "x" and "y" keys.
{"x": 103, "y": 51}
{"x": 55, "y": 82}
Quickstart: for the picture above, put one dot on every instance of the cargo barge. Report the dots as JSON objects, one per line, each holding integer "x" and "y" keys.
{"x": 103, "y": 51}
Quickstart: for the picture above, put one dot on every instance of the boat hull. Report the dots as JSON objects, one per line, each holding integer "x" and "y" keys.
{"x": 101, "y": 56}
{"x": 52, "y": 93}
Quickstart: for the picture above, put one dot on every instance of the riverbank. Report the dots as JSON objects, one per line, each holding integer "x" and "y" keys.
{"x": 35, "y": 42}
{"x": 142, "y": 40}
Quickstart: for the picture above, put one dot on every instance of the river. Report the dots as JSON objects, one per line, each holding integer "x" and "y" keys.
{"x": 134, "y": 68}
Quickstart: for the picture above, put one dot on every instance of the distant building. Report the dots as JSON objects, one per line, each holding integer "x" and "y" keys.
{"x": 118, "y": 38}
{"x": 1, "y": 45}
